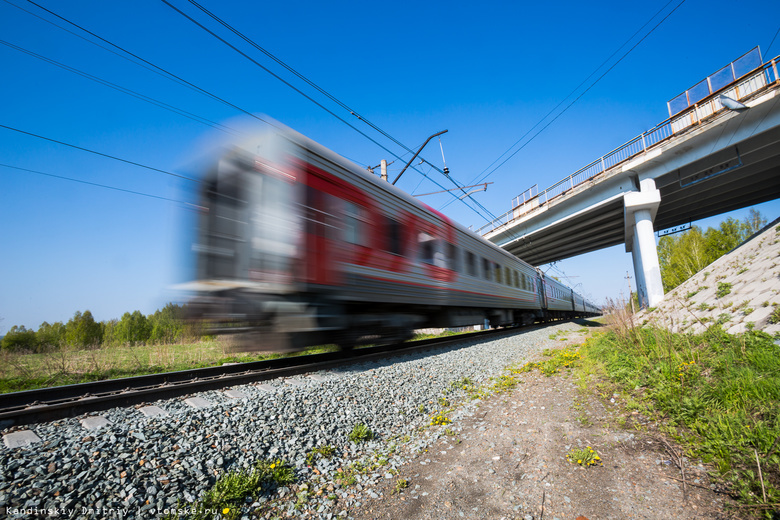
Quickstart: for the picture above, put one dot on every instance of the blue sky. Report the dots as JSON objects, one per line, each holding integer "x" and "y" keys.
{"x": 486, "y": 72}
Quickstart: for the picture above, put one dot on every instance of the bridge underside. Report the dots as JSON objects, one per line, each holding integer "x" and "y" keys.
{"x": 738, "y": 175}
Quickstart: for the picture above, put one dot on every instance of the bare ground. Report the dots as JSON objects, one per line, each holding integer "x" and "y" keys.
{"x": 508, "y": 460}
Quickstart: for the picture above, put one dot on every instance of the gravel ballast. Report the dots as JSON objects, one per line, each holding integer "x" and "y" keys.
{"x": 137, "y": 466}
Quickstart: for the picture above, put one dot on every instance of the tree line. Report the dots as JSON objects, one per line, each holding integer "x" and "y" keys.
{"x": 164, "y": 326}
{"x": 681, "y": 256}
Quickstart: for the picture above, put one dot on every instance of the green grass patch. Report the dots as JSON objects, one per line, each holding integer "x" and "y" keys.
{"x": 67, "y": 366}
{"x": 585, "y": 457}
{"x": 360, "y": 432}
{"x": 718, "y": 394}
{"x": 230, "y": 492}
{"x": 724, "y": 288}
{"x": 559, "y": 359}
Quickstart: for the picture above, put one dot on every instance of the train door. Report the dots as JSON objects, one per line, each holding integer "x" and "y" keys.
{"x": 542, "y": 290}
{"x": 320, "y": 219}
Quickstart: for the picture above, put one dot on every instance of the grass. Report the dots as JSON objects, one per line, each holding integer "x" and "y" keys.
{"x": 320, "y": 452}
{"x": 585, "y": 457}
{"x": 360, "y": 432}
{"x": 559, "y": 359}
{"x": 27, "y": 371}
{"x": 66, "y": 366}
{"x": 231, "y": 491}
{"x": 715, "y": 393}
{"x": 724, "y": 289}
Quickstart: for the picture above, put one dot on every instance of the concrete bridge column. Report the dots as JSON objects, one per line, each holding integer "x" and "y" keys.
{"x": 640, "y": 208}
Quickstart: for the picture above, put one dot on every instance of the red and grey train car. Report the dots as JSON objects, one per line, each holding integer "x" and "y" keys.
{"x": 297, "y": 243}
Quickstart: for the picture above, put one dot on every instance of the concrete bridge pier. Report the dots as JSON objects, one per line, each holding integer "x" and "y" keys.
{"x": 640, "y": 208}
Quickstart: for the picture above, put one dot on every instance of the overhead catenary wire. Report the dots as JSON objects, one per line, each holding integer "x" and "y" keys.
{"x": 124, "y": 90}
{"x": 301, "y": 76}
{"x": 287, "y": 83}
{"x": 143, "y": 63}
{"x": 248, "y": 40}
{"x": 98, "y": 153}
{"x": 482, "y": 176}
{"x": 105, "y": 186}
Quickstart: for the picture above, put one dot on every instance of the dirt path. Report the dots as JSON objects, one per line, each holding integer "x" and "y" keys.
{"x": 508, "y": 460}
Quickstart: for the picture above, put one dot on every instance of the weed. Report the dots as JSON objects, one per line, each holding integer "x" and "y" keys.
{"x": 360, "y": 432}
{"x": 716, "y": 393}
{"x": 440, "y": 420}
{"x": 723, "y": 318}
{"x": 400, "y": 484}
{"x": 724, "y": 288}
{"x": 324, "y": 452}
{"x": 775, "y": 316}
{"x": 231, "y": 491}
{"x": 743, "y": 270}
{"x": 559, "y": 359}
{"x": 585, "y": 457}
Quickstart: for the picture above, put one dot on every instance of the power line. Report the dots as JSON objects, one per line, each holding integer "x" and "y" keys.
{"x": 169, "y": 75}
{"x": 587, "y": 89}
{"x": 255, "y": 62}
{"x": 300, "y": 76}
{"x": 98, "y": 153}
{"x": 166, "y": 73}
{"x": 766, "y": 52}
{"x": 483, "y": 177}
{"x": 96, "y": 184}
{"x": 122, "y": 89}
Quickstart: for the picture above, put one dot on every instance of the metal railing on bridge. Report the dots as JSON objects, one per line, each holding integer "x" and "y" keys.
{"x": 688, "y": 113}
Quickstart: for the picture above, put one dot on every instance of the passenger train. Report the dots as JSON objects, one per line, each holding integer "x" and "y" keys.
{"x": 298, "y": 246}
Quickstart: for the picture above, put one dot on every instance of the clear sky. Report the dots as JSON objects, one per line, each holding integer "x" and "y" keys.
{"x": 487, "y": 72}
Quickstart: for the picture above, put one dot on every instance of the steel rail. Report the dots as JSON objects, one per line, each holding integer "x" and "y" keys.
{"x": 53, "y": 403}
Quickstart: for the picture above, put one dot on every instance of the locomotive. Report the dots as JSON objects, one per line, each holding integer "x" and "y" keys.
{"x": 297, "y": 246}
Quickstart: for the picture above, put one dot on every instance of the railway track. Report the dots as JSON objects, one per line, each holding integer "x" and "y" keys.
{"x": 49, "y": 404}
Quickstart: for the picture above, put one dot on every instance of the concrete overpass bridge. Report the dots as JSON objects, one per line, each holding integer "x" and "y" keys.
{"x": 718, "y": 151}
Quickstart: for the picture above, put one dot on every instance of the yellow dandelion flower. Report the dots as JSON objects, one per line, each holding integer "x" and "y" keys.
{"x": 579, "y": 462}
{"x": 226, "y": 511}
{"x": 273, "y": 466}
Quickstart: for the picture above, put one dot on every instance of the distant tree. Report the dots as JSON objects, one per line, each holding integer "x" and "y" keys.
{"x": 19, "y": 338}
{"x": 754, "y": 222}
{"x": 109, "y": 333}
{"x": 681, "y": 256}
{"x": 133, "y": 328}
{"x": 83, "y": 331}
{"x": 51, "y": 335}
{"x": 167, "y": 324}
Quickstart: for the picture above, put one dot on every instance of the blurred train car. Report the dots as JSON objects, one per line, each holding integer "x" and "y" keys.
{"x": 297, "y": 246}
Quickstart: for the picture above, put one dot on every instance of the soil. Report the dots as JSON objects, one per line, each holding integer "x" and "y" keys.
{"x": 508, "y": 461}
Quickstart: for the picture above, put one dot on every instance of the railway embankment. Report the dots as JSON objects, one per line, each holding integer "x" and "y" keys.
{"x": 740, "y": 291}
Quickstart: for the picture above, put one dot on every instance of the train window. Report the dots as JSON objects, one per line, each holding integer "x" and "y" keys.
{"x": 517, "y": 280}
{"x": 471, "y": 264}
{"x": 352, "y": 223}
{"x": 393, "y": 241}
{"x": 452, "y": 257}
{"x": 486, "y": 267}
{"x": 498, "y": 272}
{"x": 427, "y": 247}
{"x": 508, "y": 276}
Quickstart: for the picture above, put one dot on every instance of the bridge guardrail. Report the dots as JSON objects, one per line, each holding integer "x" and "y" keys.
{"x": 746, "y": 85}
